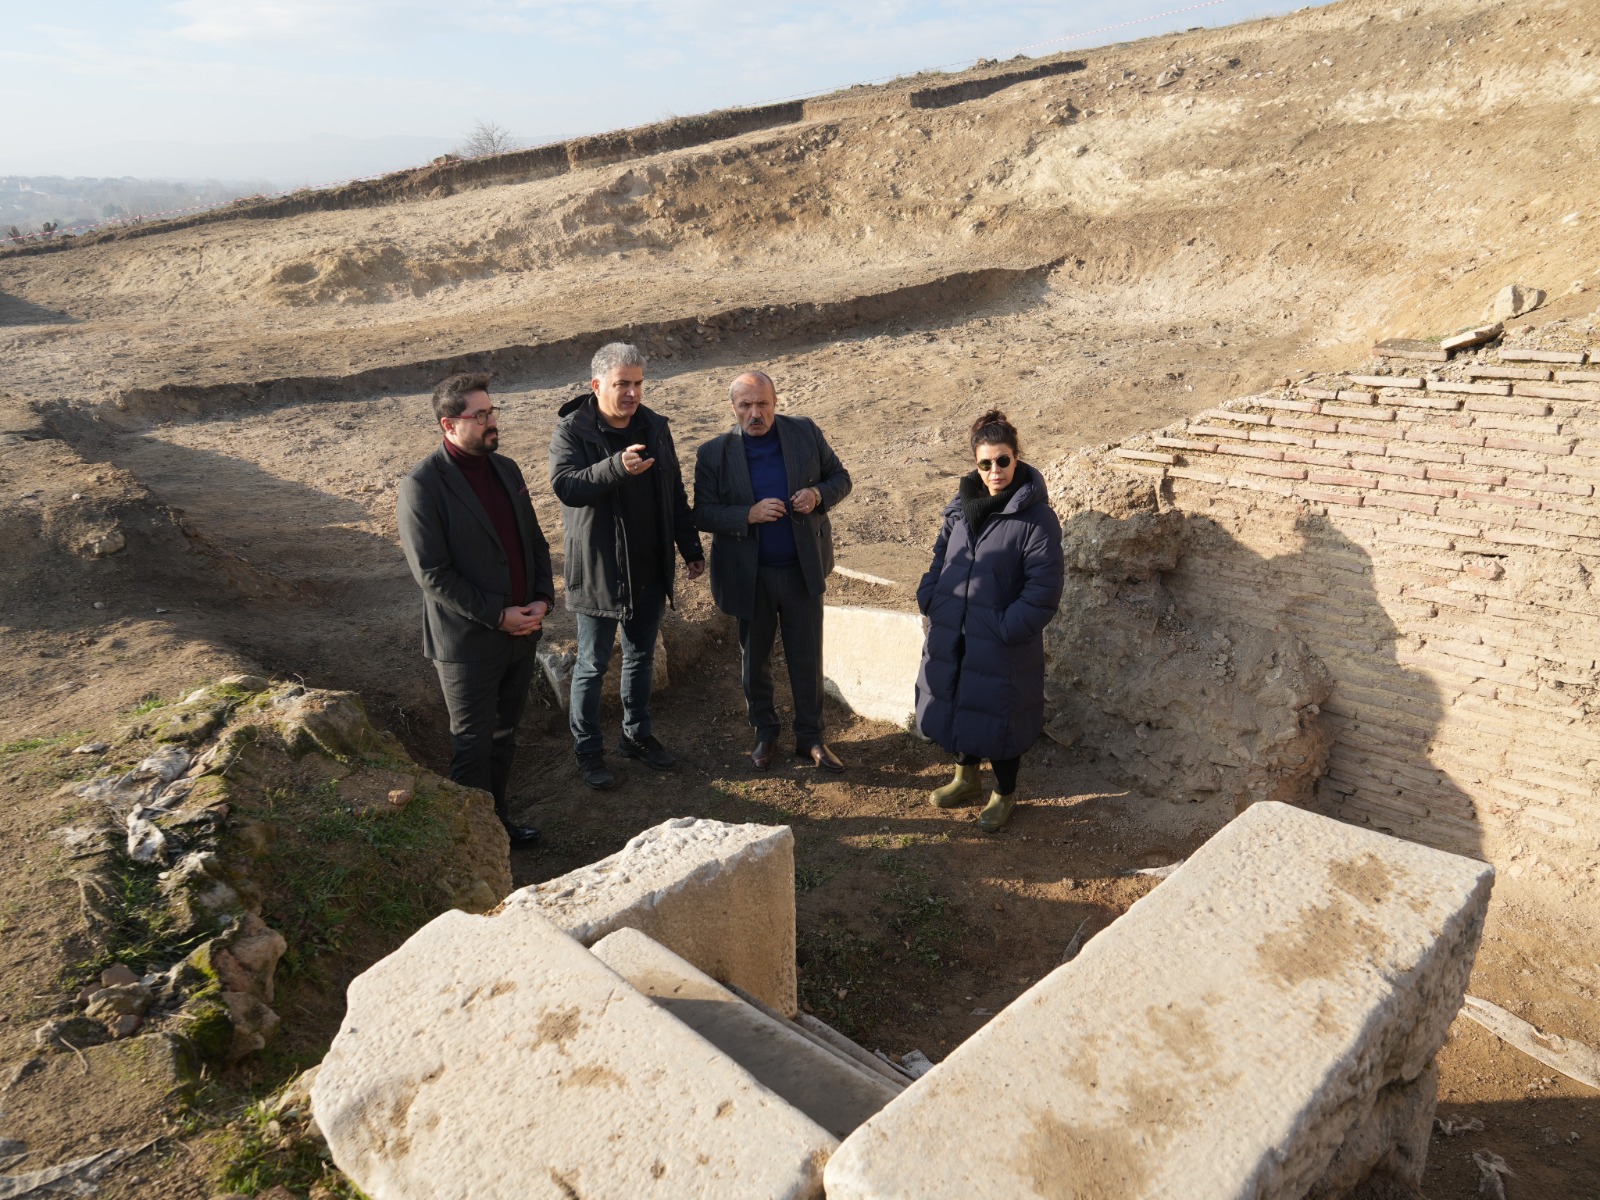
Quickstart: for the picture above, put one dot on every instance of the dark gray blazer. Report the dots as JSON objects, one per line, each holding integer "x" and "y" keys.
{"x": 456, "y": 557}
{"x": 723, "y": 495}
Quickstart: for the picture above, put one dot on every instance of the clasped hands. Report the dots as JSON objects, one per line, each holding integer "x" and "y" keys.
{"x": 806, "y": 500}
{"x": 521, "y": 620}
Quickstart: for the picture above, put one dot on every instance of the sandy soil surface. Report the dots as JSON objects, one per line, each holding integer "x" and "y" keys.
{"x": 1208, "y": 212}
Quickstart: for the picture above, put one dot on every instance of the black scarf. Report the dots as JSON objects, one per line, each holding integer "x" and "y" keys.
{"x": 978, "y": 506}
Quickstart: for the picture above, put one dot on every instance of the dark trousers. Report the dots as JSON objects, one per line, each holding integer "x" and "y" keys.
{"x": 485, "y": 701}
{"x": 784, "y": 604}
{"x": 1005, "y": 770}
{"x": 596, "y": 637}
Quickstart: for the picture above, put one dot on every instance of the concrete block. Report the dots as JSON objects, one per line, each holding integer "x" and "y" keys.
{"x": 495, "y": 1057}
{"x": 870, "y": 658}
{"x": 1280, "y": 996}
{"x": 833, "y": 1091}
{"x": 556, "y": 660}
{"x": 721, "y": 896}
{"x": 1546, "y": 356}
{"x": 1388, "y": 381}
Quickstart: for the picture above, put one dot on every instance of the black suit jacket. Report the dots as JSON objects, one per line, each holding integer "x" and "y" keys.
{"x": 457, "y": 559}
{"x": 723, "y": 495}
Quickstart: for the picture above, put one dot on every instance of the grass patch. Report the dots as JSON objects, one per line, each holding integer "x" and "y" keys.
{"x": 342, "y": 870}
{"x": 143, "y": 931}
{"x": 261, "y": 1151}
{"x": 51, "y": 742}
{"x": 148, "y": 703}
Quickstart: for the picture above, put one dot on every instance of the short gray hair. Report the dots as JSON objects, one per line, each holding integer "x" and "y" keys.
{"x": 613, "y": 355}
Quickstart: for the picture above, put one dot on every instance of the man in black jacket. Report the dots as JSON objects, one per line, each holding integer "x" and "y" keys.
{"x": 474, "y": 546}
{"x": 763, "y": 490}
{"x": 624, "y": 511}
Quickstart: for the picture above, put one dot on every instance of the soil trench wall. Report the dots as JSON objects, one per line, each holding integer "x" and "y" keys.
{"x": 1432, "y": 533}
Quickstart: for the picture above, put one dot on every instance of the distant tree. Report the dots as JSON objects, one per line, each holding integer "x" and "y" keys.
{"x": 112, "y": 211}
{"x": 50, "y": 227}
{"x": 13, "y": 233}
{"x": 486, "y": 138}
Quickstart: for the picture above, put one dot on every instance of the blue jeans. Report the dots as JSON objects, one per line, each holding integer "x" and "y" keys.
{"x": 596, "y": 636}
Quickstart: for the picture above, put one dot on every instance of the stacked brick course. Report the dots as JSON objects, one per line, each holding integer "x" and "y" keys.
{"x": 1433, "y": 533}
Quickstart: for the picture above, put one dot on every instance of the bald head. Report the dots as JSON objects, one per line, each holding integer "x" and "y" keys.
{"x": 755, "y": 402}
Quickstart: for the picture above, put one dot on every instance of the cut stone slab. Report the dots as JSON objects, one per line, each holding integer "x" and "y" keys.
{"x": 1269, "y": 1003}
{"x": 870, "y": 658}
{"x": 558, "y": 658}
{"x": 720, "y": 896}
{"x": 833, "y": 1091}
{"x": 495, "y": 1057}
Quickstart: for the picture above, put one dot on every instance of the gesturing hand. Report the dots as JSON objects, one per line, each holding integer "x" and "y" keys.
{"x": 634, "y": 462}
{"x": 763, "y": 511}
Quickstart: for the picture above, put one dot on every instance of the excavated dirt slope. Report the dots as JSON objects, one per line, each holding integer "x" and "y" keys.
{"x": 1099, "y": 252}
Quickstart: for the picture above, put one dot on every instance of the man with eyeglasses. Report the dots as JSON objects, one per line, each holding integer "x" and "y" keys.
{"x": 474, "y": 546}
{"x": 624, "y": 511}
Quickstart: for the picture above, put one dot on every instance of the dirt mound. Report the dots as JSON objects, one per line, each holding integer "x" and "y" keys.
{"x": 1221, "y": 713}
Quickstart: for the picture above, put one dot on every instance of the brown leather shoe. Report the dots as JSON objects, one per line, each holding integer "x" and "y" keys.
{"x": 825, "y": 758}
{"x": 762, "y": 754}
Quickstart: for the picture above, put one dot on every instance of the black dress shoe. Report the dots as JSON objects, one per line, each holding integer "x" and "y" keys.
{"x": 648, "y": 751}
{"x": 595, "y": 772}
{"x": 522, "y": 836}
{"x": 762, "y": 754}
{"x": 826, "y": 759}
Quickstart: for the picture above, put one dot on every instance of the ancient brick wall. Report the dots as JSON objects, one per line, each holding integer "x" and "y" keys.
{"x": 1431, "y": 530}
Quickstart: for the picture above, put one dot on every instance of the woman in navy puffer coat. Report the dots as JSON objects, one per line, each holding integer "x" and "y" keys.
{"x": 994, "y": 584}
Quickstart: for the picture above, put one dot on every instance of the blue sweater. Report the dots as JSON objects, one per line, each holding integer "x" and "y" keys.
{"x": 770, "y": 479}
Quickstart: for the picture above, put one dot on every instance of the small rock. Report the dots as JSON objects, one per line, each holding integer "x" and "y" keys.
{"x": 91, "y": 748}
{"x": 112, "y": 542}
{"x": 916, "y": 1063}
{"x": 126, "y": 1025}
{"x": 1514, "y": 300}
{"x": 99, "y": 603}
{"x": 10, "y": 1146}
{"x": 118, "y": 974}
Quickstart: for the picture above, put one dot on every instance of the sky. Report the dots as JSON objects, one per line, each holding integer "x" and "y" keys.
{"x": 206, "y": 88}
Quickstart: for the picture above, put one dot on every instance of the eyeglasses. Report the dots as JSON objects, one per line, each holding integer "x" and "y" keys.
{"x": 482, "y": 416}
{"x": 999, "y": 464}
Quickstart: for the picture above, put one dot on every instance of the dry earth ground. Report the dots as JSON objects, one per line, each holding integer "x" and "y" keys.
{"x": 1206, "y": 212}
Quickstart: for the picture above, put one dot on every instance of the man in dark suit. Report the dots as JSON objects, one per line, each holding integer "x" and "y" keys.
{"x": 763, "y": 490}
{"x": 474, "y": 546}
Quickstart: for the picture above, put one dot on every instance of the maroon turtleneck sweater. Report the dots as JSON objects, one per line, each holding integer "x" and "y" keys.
{"x": 491, "y": 493}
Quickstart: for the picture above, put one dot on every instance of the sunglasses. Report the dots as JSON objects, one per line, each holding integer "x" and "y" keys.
{"x": 999, "y": 464}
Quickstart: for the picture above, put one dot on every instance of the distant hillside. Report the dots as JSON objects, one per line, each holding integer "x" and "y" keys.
{"x": 29, "y": 201}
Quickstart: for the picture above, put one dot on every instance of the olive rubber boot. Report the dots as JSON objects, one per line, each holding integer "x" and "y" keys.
{"x": 997, "y": 812}
{"x": 965, "y": 788}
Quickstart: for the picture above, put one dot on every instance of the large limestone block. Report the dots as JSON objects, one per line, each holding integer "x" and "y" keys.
{"x": 495, "y": 1057}
{"x": 1222, "y": 1039}
{"x": 719, "y": 895}
{"x": 829, "y": 1088}
{"x": 870, "y": 658}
